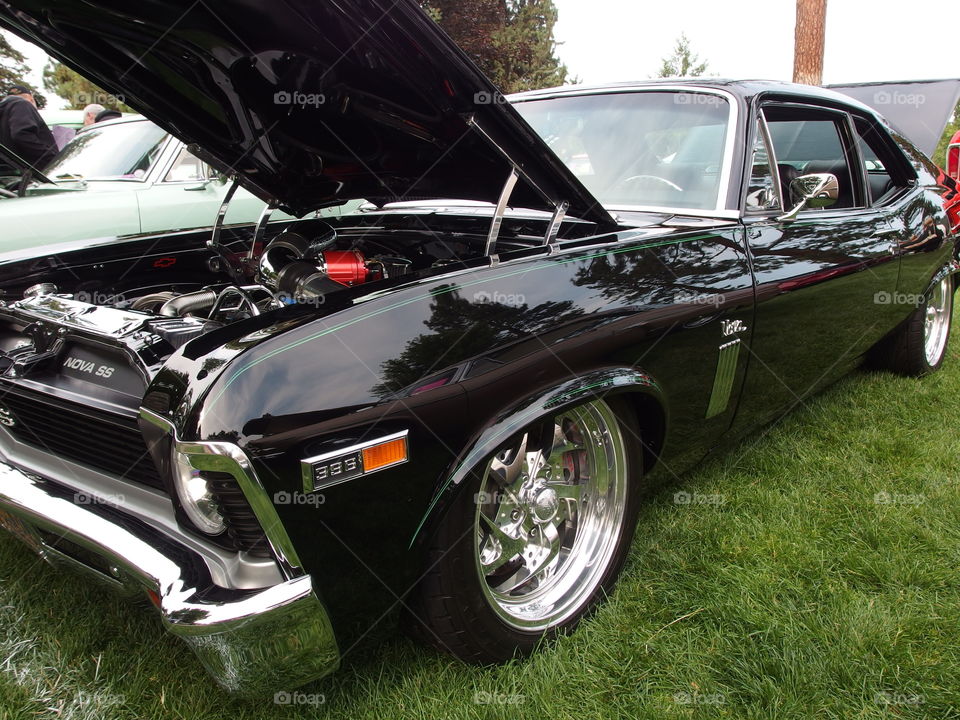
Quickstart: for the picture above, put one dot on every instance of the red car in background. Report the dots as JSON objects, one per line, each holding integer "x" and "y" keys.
{"x": 953, "y": 157}
{"x": 952, "y": 181}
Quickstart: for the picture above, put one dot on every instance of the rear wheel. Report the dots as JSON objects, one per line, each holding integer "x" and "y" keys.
{"x": 536, "y": 539}
{"x": 919, "y": 346}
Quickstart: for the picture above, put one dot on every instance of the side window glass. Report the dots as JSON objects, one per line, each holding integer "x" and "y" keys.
{"x": 186, "y": 168}
{"x": 809, "y": 145}
{"x": 762, "y": 192}
{"x": 880, "y": 167}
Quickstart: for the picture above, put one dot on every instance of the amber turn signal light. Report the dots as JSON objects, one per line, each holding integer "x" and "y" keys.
{"x": 385, "y": 455}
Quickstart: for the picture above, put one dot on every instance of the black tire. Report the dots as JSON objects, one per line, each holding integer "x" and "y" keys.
{"x": 919, "y": 346}
{"x": 459, "y": 606}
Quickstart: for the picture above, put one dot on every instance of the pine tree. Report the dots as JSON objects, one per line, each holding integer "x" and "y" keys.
{"x": 77, "y": 90}
{"x": 512, "y": 41}
{"x": 683, "y": 62}
{"x": 14, "y": 70}
{"x": 13, "y": 67}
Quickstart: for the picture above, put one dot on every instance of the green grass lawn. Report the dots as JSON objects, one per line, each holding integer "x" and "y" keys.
{"x": 813, "y": 573}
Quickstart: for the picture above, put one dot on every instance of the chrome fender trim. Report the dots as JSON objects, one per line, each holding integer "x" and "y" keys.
{"x": 590, "y": 386}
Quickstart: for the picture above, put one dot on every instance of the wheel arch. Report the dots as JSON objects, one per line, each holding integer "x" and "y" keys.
{"x": 640, "y": 391}
{"x": 951, "y": 269}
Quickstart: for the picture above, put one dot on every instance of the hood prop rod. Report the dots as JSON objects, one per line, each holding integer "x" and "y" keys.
{"x": 553, "y": 229}
{"x": 261, "y": 229}
{"x": 213, "y": 244}
{"x": 501, "y": 210}
{"x": 560, "y": 206}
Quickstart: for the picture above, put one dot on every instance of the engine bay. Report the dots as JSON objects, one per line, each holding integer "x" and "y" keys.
{"x": 233, "y": 281}
{"x": 296, "y": 267}
{"x": 96, "y": 327}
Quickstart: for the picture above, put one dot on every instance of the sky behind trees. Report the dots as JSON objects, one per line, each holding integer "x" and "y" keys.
{"x": 610, "y": 40}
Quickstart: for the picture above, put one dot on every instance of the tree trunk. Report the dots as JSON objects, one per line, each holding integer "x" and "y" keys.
{"x": 808, "y": 41}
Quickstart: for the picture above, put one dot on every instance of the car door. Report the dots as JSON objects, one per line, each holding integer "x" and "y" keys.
{"x": 188, "y": 194}
{"x": 823, "y": 277}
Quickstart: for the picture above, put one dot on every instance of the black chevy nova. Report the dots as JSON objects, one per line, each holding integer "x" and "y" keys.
{"x": 446, "y": 407}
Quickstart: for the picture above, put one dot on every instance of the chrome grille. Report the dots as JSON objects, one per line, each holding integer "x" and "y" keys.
{"x": 104, "y": 441}
{"x": 243, "y": 528}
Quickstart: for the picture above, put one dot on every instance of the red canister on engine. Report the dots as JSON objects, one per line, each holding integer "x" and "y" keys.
{"x": 346, "y": 266}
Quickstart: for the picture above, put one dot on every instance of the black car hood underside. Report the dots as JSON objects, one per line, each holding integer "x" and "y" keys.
{"x": 310, "y": 102}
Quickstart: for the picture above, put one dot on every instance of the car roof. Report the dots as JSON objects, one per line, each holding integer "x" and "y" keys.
{"x": 127, "y": 118}
{"x": 124, "y": 120}
{"x": 744, "y": 89}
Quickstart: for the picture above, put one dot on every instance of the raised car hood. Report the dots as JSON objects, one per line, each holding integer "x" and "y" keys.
{"x": 9, "y": 160}
{"x": 310, "y": 102}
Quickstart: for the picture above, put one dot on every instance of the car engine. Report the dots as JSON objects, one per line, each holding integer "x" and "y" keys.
{"x": 75, "y": 364}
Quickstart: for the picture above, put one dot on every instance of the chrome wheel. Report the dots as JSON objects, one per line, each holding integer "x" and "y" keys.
{"x": 549, "y": 516}
{"x": 936, "y": 327}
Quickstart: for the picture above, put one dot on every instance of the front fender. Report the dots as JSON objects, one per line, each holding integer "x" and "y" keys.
{"x": 948, "y": 270}
{"x": 575, "y": 391}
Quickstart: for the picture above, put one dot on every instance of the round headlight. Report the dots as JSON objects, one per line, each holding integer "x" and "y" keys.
{"x": 198, "y": 502}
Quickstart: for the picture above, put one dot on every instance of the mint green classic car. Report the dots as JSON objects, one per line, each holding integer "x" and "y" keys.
{"x": 118, "y": 178}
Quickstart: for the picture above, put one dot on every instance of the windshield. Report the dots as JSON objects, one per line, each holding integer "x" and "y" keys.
{"x": 639, "y": 149}
{"x": 124, "y": 151}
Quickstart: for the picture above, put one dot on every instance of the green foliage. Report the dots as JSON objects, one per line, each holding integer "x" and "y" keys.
{"x": 77, "y": 90}
{"x": 512, "y": 41}
{"x": 13, "y": 66}
{"x": 940, "y": 154}
{"x": 14, "y": 70}
{"x": 809, "y": 573}
{"x": 683, "y": 62}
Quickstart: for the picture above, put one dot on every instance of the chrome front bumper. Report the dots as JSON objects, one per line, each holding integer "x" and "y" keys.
{"x": 252, "y": 641}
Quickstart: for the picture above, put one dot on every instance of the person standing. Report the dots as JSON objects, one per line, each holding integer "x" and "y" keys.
{"x": 23, "y": 131}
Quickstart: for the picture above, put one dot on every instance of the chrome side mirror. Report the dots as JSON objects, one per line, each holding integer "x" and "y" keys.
{"x": 818, "y": 190}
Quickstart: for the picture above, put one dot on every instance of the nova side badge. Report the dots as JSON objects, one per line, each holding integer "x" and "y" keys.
{"x": 333, "y": 468}
{"x": 732, "y": 327}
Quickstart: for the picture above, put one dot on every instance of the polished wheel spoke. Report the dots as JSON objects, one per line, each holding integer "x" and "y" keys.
{"x": 499, "y": 547}
{"x": 507, "y": 466}
{"x": 556, "y": 511}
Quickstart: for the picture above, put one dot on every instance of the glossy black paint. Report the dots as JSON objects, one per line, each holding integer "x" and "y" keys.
{"x": 454, "y": 354}
{"x": 309, "y": 103}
